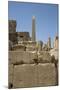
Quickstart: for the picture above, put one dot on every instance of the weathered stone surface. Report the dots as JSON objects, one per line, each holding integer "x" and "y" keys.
{"x": 21, "y": 56}
{"x": 46, "y": 74}
{"x": 12, "y": 26}
{"x": 31, "y": 63}
{"x": 31, "y": 48}
{"x": 19, "y": 47}
{"x": 28, "y": 75}
{"x": 28, "y": 57}
{"x": 23, "y": 36}
{"x": 55, "y": 52}
{"x": 10, "y": 75}
{"x": 10, "y": 45}
{"x": 44, "y": 57}
{"x": 12, "y": 31}
{"x": 13, "y": 37}
{"x": 24, "y": 75}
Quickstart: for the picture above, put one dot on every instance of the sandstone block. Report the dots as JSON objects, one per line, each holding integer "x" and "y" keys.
{"x": 18, "y": 57}
{"x": 44, "y": 57}
{"x": 46, "y": 74}
{"x": 30, "y": 75}
{"x": 24, "y": 76}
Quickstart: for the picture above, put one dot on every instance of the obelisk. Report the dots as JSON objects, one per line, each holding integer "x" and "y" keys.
{"x": 33, "y": 29}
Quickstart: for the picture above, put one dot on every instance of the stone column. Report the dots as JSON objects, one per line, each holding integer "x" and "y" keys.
{"x": 49, "y": 43}
{"x": 33, "y": 29}
{"x": 40, "y": 44}
{"x": 56, "y": 42}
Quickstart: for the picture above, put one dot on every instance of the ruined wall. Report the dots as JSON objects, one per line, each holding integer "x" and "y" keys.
{"x": 12, "y": 31}
{"x": 56, "y": 42}
{"x": 25, "y": 71}
{"x": 23, "y": 36}
{"x": 28, "y": 75}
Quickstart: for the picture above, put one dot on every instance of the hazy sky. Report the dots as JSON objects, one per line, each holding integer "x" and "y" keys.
{"x": 46, "y": 16}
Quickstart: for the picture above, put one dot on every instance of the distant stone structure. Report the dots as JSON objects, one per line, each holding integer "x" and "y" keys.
{"x": 12, "y": 26}
{"x": 56, "y": 42}
{"x": 55, "y": 50}
{"x": 12, "y": 31}
{"x": 33, "y": 29}
{"x": 23, "y": 36}
{"x": 49, "y": 43}
{"x": 31, "y": 63}
{"x": 40, "y": 45}
{"x": 45, "y": 47}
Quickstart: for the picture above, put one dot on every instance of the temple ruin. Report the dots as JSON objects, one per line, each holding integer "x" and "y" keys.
{"x": 31, "y": 63}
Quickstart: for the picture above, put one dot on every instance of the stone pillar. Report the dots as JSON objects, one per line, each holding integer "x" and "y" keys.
{"x": 40, "y": 44}
{"x": 56, "y": 42}
{"x": 33, "y": 29}
{"x": 49, "y": 43}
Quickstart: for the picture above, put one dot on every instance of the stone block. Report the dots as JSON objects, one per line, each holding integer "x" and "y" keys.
{"x": 29, "y": 57}
{"x": 19, "y": 57}
{"x": 24, "y": 76}
{"x": 15, "y": 57}
{"x": 33, "y": 75}
{"x": 31, "y": 48}
{"x": 46, "y": 74}
{"x": 44, "y": 57}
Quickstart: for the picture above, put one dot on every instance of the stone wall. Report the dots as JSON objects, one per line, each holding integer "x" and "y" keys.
{"x": 23, "y": 36}
{"x": 25, "y": 72}
{"x": 28, "y": 75}
{"x": 13, "y": 37}
{"x": 17, "y": 57}
{"x": 12, "y": 31}
{"x": 12, "y": 26}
